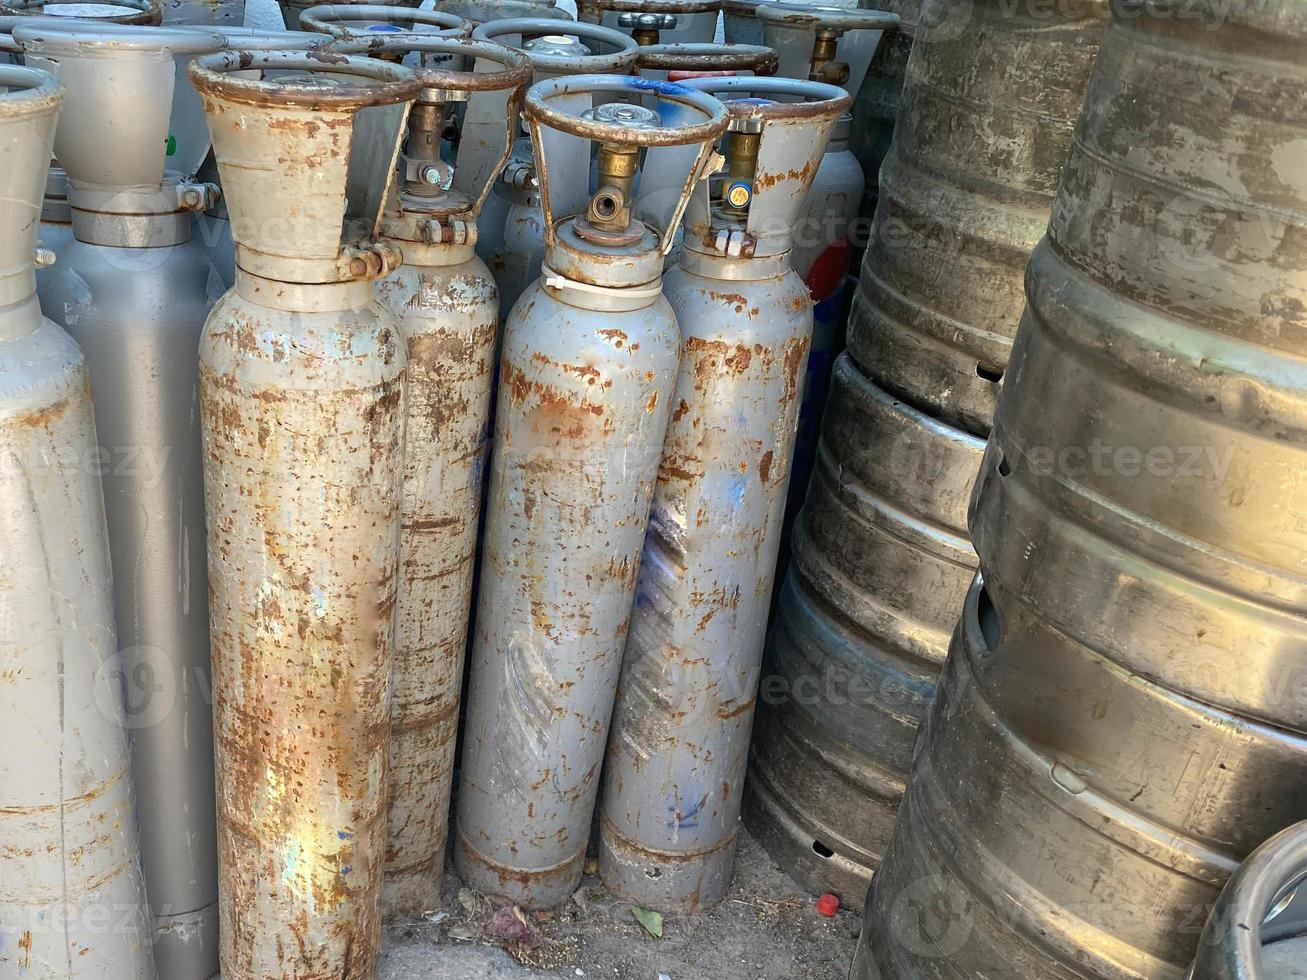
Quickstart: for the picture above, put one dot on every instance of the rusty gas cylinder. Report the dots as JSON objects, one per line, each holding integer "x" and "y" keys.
{"x": 680, "y": 738}
{"x": 448, "y": 311}
{"x": 301, "y": 386}
{"x": 588, "y": 368}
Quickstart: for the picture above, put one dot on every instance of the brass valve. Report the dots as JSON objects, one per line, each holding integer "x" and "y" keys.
{"x": 424, "y": 170}
{"x": 824, "y": 66}
{"x": 743, "y": 158}
{"x": 610, "y": 206}
{"x": 646, "y": 28}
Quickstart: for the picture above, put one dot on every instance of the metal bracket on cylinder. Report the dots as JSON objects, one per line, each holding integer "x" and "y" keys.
{"x": 520, "y": 174}
{"x": 734, "y": 242}
{"x": 373, "y": 260}
{"x": 155, "y": 220}
{"x": 449, "y": 231}
{"x": 197, "y": 196}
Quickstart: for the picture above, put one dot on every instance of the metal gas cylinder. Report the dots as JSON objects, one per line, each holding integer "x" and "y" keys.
{"x": 1252, "y": 933}
{"x": 881, "y": 560}
{"x": 823, "y": 257}
{"x": 825, "y": 42}
{"x": 965, "y": 192}
{"x": 448, "y": 310}
{"x": 291, "y": 10}
{"x": 213, "y": 227}
{"x": 109, "y": 11}
{"x": 301, "y": 391}
{"x": 1121, "y": 720}
{"x": 877, "y": 97}
{"x": 674, "y": 774}
{"x": 587, "y": 373}
{"x": 512, "y": 231}
{"x": 69, "y": 863}
{"x": 133, "y": 289}
{"x": 655, "y": 21}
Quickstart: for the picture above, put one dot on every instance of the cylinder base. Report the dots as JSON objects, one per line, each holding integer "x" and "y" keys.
{"x": 672, "y": 883}
{"x": 186, "y": 945}
{"x": 534, "y": 888}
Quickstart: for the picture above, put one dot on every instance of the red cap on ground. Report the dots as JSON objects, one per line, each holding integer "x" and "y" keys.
{"x": 828, "y": 904}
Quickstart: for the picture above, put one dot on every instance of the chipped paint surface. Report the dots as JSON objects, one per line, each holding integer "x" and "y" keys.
{"x": 449, "y": 318}
{"x": 303, "y": 429}
{"x": 72, "y": 900}
{"x": 675, "y": 767}
{"x": 577, "y": 441}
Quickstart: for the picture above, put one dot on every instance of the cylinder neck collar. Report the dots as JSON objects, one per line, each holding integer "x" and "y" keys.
{"x": 131, "y": 230}
{"x": 294, "y": 297}
{"x": 21, "y": 317}
{"x": 713, "y": 265}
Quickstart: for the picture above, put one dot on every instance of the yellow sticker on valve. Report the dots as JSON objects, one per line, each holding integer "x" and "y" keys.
{"x": 738, "y": 195}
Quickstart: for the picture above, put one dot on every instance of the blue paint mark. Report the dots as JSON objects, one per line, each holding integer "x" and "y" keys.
{"x": 657, "y": 85}
{"x": 739, "y": 490}
{"x": 344, "y": 870}
{"x": 345, "y": 835}
{"x": 687, "y": 820}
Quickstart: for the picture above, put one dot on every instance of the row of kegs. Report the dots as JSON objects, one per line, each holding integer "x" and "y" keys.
{"x": 1046, "y": 603}
{"x": 254, "y": 464}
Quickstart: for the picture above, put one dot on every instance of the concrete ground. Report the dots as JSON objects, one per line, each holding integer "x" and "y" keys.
{"x": 765, "y": 929}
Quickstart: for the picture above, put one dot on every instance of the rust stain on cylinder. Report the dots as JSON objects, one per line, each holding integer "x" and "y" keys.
{"x": 302, "y": 430}
{"x": 449, "y": 317}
